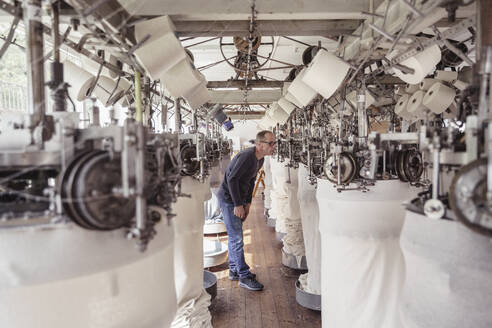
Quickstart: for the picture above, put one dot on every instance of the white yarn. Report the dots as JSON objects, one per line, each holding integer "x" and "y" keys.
{"x": 194, "y": 313}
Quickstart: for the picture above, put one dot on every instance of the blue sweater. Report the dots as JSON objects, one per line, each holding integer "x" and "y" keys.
{"x": 239, "y": 179}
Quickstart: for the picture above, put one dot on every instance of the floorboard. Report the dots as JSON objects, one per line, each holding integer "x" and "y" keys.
{"x": 276, "y": 305}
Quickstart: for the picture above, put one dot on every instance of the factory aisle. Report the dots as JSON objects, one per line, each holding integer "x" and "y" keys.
{"x": 276, "y": 305}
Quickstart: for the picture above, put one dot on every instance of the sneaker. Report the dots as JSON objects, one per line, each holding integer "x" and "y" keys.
{"x": 250, "y": 283}
{"x": 234, "y": 276}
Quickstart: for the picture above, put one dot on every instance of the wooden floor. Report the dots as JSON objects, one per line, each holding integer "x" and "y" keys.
{"x": 276, "y": 305}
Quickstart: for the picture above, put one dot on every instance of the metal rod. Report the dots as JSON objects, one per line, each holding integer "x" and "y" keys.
{"x": 177, "y": 116}
{"x": 292, "y": 39}
{"x": 371, "y": 14}
{"x": 414, "y": 10}
{"x": 138, "y": 97}
{"x": 55, "y": 31}
{"x": 457, "y": 51}
{"x": 485, "y": 72}
{"x": 141, "y": 201}
{"x": 197, "y": 43}
{"x": 489, "y": 164}
{"x": 213, "y": 64}
{"x": 362, "y": 115}
{"x": 435, "y": 167}
{"x": 380, "y": 31}
{"x": 34, "y": 56}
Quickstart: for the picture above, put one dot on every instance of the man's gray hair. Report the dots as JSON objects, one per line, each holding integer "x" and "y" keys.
{"x": 260, "y": 136}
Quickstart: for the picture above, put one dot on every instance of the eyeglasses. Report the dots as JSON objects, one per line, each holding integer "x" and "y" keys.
{"x": 271, "y": 143}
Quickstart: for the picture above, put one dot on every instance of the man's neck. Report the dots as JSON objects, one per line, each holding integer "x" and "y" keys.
{"x": 258, "y": 154}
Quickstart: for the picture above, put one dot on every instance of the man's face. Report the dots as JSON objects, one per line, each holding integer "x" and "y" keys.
{"x": 267, "y": 146}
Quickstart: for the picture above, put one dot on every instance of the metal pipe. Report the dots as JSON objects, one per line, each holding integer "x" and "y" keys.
{"x": 56, "y": 32}
{"x": 138, "y": 97}
{"x": 380, "y": 31}
{"x": 177, "y": 116}
{"x": 435, "y": 166}
{"x": 34, "y": 57}
{"x": 384, "y": 164}
{"x": 489, "y": 164}
{"x": 141, "y": 202}
{"x": 362, "y": 115}
{"x": 414, "y": 10}
{"x": 485, "y": 72}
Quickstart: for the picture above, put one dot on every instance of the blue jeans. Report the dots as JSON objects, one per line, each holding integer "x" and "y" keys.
{"x": 234, "y": 226}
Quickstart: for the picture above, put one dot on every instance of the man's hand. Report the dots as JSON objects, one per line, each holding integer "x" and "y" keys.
{"x": 246, "y": 208}
{"x": 240, "y": 212}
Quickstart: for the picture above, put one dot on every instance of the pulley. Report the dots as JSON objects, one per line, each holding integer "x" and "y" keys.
{"x": 348, "y": 168}
{"x": 468, "y": 197}
{"x": 190, "y": 166}
{"x": 87, "y": 189}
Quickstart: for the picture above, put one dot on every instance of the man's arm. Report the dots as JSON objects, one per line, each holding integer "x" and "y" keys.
{"x": 233, "y": 178}
{"x": 250, "y": 195}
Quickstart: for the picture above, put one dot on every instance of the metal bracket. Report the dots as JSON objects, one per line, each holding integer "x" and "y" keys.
{"x": 10, "y": 36}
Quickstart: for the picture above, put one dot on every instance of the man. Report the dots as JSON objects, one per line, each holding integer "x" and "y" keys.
{"x": 235, "y": 200}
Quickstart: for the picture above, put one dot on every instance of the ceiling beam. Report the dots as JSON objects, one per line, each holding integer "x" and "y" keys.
{"x": 236, "y": 97}
{"x": 240, "y": 9}
{"x": 326, "y": 28}
{"x": 240, "y": 84}
{"x": 248, "y": 115}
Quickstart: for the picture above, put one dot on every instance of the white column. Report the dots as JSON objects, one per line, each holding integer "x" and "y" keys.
{"x": 193, "y": 300}
{"x": 279, "y": 195}
{"x": 310, "y": 281}
{"x": 293, "y": 240}
{"x": 268, "y": 182}
{"x": 362, "y": 264}
{"x": 65, "y": 276}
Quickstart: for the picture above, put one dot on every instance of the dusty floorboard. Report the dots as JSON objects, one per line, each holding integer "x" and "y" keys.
{"x": 276, "y": 305}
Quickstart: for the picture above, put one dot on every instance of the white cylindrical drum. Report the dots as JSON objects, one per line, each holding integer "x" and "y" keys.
{"x": 286, "y": 105}
{"x": 162, "y": 50}
{"x": 293, "y": 239}
{"x": 439, "y": 97}
{"x": 268, "y": 182}
{"x": 325, "y": 73}
{"x": 447, "y": 76}
{"x": 64, "y": 276}
{"x": 198, "y": 96}
{"x": 426, "y": 84}
{"x": 79, "y": 79}
{"x": 277, "y": 114}
{"x": 106, "y": 91}
{"x": 279, "y": 195}
{"x": 193, "y": 300}
{"x": 411, "y": 88}
{"x": 362, "y": 264}
{"x": 448, "y": 275}
{"x": 289, "y": 97}
{"x": 415, "y": 105}
{"x": 310, "y": 281}
{"x": 181, "y": 79}
{"x": 422, "y": 64}
{"x": 303, "y": 93}
{"x": 401, "y": 107}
